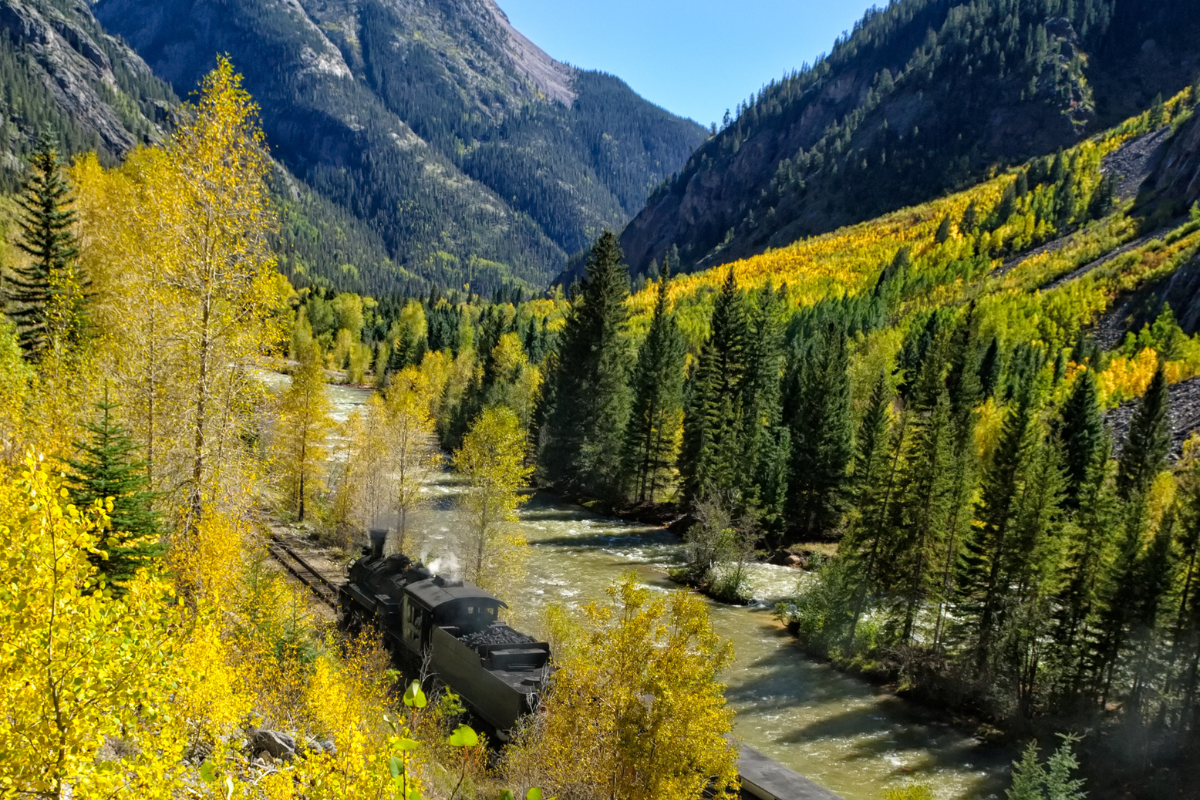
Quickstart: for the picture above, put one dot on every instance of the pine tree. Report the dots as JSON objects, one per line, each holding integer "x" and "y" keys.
{"x": 108, "y": 467}
{"x": 1081, "y": 430}
{"x": 822, "y": 433}
{"x": 585, "y": 425}
{"x": 652, "y": 436}
{"x": 714, "y": 429}
{"x": 45, "y": 296}
{"x": 1149, "y": 440}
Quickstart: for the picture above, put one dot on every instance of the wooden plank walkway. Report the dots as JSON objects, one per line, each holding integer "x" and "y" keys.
{"x": 765, "y": 779}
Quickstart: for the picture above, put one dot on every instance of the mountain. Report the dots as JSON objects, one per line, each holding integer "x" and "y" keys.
{"x": 471, "y": 154}
{"x": 60, "y": 70}
{"x": 924, "y": 96}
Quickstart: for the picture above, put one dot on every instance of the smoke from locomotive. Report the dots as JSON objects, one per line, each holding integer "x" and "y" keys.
{"x": 496, "y": 670}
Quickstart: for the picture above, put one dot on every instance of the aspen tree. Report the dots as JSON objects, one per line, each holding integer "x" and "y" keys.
{"x": 492, "y": 459}
{"x": 213, "y": 201}
{"x": 303, "y": 428}
{"x": 413, "y": 454}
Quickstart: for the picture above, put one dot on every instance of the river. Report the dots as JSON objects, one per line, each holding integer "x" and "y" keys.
{"x": 837, "y": 730}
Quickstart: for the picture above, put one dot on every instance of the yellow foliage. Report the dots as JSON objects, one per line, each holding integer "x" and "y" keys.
{"x": 492, "y": 459}
{"x": 635, "y": 709}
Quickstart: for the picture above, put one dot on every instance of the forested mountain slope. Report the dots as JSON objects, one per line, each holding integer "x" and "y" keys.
{"x": 922, "y": 97}
{"x": 60, "y": 70}
{"x": 472, "y": 154}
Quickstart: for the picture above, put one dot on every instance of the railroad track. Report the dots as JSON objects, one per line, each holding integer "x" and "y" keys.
{"x": 324, "y": 589}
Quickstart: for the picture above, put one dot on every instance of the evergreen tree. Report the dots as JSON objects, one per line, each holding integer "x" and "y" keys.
{"x": 1081, "y": 430}
{"x": 1149, "y": 440}
{"x": 714, "y": 429}
{"x": 965, "y": 392}
{"x": 1088, "y": 545}
{"x": 876, "y": 466}
{"x": 768, "y": 440}
{"x": 652, "y": 437}
{"x": 990, "y": 369}
{"x": 822, "y": 433}
{"x": 924, "y": 505}
{"x": 1031, "y": 571}
{"x": 585, "y": 425}
{"x": 107, "y": 466}
{"x": 45, "y": 296}
{"x": 982, "y": 582}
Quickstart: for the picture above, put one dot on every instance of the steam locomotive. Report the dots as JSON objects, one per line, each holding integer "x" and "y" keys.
{"x": 496, "y": 670}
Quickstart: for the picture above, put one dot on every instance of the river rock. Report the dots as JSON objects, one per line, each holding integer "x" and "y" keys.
{"x": 794, "y": 561}
{"x": 276, "y": 744}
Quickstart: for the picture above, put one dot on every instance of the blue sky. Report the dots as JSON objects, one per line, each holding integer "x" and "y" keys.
{"x": 693, "y": 57}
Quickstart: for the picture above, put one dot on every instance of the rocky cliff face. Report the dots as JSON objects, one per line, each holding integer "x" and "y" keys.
{"x": 63, "y": 71}
{"x": 1176, "y": 179}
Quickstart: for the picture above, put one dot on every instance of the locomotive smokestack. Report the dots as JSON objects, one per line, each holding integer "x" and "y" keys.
{"x": 378, "y": 540}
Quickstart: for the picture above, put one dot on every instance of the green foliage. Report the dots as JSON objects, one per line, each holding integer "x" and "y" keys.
{"x": 821, "y": 432}
{"x": 1052, "y": 781}
{"x": 588, "y": 392}
{"x": 651, "y": 440}
{"x": 713, "y": 434}
{"x": 108, "y": 470}
{"x": 1148, "y": 443}
{"x": 45, "y": 295}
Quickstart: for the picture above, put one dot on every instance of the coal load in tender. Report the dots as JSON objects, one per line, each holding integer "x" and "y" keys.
{"x": 496, "y": 670}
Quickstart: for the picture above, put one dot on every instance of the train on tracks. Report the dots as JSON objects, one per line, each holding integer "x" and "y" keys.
{"x": 450, "y": 627}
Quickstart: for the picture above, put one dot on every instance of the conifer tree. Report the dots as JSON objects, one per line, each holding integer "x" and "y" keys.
{"x": 822, "y": 433}
{"x": 589, "y": 410}
{"x": 1081, "y": 430}
{"x": 108, "y": 466}
{"x": 990, "y": 369}
{"x": 45, "y": 296}
{"x": 879, "y": 449}
{"x": 1032, "y": 570}
{"x": 652, "y": 437}
{"x": 1088, "y": 545}
{"x": 768, "y": 440}
{"x": 982, "y": 580}
{"x": 1149, "y": 440}
{"x": 714, "y": 429}
{"x": 965, "y": 391}
{"x": 924, "y": 505}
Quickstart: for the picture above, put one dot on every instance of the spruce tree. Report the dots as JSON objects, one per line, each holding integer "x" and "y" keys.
{"x": 1149, "y": 440}
{"x": 923, "y": 509}
{"x": 107, "y": 466}
{"x": 876, "y": 466}
{"x": 586, "y": 423}
{"x": 965, "y": 392}
{"x": 982, "y": 580}
{"x": 714, "y": 429}
{"x": 45, "y": 295}
{"x": 1088, "y": 546}
{"x": 768, "y": 440}
{"x": 822, "y": 433}
{"x": 990, "y": 369}
{"x": 651, "y": 438}
{"x": 1081, "y": 430}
